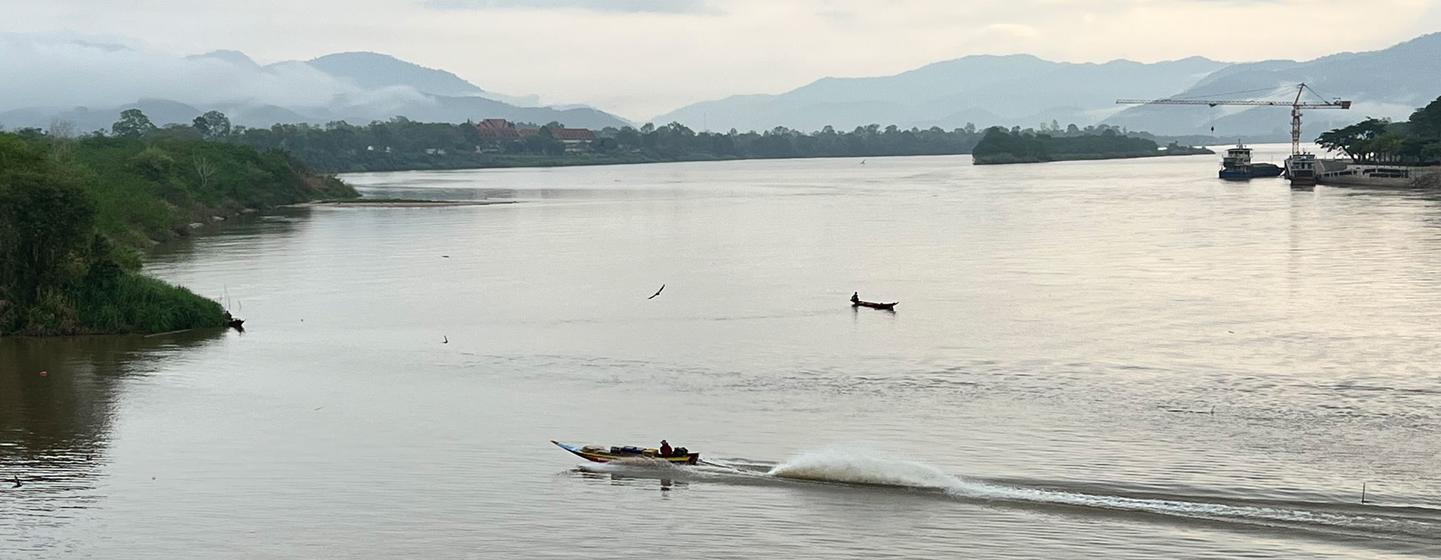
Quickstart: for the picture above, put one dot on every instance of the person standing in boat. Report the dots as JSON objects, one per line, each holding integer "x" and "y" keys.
{"x": 665, "y": 449}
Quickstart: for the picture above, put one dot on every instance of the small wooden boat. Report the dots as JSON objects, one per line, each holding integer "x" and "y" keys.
{"x": 600, "y": 454}
{"x": 857, "y": 302}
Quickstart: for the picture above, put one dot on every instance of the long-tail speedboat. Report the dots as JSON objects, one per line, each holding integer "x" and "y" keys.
{"x": 601, "y": 454}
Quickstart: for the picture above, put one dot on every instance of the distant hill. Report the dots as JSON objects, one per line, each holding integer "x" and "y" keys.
{"x": 429, "y": 109}
{"x": 984, "y": 90}
{"x": 235, "y": 58}
{"x": 88, "y": 119}
{"x": 1387, "y": 83}
{"x": 358, "y": 87}
{"x": 374, "y": 71}
{"x": 1027, "y": 91}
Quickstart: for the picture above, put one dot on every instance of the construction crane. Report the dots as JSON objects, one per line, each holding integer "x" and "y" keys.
{"x": 1295, "y": 104}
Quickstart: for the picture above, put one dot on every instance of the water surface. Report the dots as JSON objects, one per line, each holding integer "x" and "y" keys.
{"x": 1128, "y": 359}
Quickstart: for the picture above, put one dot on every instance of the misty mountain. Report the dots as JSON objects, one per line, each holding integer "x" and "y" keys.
{"x": 374, "y": 71}
{"x": 357, "y": 87}
{"x": 160, "y": 111}
{"x": 1027, "y": 91}
{"x": 433, "y": 109}
{"x": 235, "y": 58}
{"x": 1389, "y": 83}
{"x": 983, "y": 89}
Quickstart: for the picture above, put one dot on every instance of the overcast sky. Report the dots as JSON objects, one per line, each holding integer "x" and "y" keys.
{"x": 639, "y": 58}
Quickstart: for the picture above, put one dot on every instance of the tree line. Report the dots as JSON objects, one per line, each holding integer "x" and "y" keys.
{"x": 1416, "y": 141}
{"x": 400, "y": 143}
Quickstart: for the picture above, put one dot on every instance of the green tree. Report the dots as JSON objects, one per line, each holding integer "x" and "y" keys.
{"x": 1388, "y": 146}
{"x": 44, "y": 219}
{"x": 1426, "y": 121}
{"x": 132, "y": 124}
{"x": 1356, "y": 141}
{"x": 213, "y": 124}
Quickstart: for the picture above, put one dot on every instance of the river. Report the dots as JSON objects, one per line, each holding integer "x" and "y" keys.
{"x": 1122, "y": 359}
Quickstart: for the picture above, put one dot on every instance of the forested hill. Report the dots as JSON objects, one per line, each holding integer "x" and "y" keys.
{"x": 73, "y": 213}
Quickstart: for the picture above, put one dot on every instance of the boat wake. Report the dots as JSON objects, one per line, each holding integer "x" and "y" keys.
{"x": 840, "y": 468}
{"x": 1421, "y": 525}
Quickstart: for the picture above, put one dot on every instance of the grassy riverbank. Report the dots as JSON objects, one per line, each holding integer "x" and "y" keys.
{"x": 74, "y": 214}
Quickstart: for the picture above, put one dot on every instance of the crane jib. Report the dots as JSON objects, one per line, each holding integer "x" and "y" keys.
{"x": 1296, "y": 106}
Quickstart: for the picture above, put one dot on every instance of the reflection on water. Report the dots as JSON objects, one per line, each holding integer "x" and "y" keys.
{"x": 58, "y": 400}
{"x": 1123, "y": 359}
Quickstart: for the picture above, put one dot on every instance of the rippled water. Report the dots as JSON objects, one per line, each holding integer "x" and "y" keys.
{"x": 1127, "y": 359}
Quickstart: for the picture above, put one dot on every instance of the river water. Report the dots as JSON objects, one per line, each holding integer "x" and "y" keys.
{"x": 1124, "y": 359}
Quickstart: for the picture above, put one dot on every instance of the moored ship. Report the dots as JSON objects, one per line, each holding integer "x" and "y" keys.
{"x": 1301, "y": 169}
{"x": 1237, "y": 165}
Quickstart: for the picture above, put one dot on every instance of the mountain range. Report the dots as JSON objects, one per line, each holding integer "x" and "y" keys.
{"x": 89, "y": 84}
{"x": 357, "y": 87}
{"x": 1389, "y": 83}
{"x": 1028, "y": 91}
{"x": 983, "y": 90}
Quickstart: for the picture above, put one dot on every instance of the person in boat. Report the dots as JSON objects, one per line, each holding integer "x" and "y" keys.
{"x": 665, "y": 450}
{"x": 855, "y": 298}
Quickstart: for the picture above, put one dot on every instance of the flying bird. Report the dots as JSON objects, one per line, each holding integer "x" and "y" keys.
{"x": 657, "y": 292}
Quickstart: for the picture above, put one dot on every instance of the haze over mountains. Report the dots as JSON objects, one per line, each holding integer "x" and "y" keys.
{"x": 983, "y": 90}
{"x": 89, "y": 84}
{"x": 1389, "y": 83}
{"x": 1027, "y": 91}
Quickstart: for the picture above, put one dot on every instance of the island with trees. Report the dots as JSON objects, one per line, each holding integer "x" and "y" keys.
{"x": 75, "y": 212}
{"x": 999, "y": 146}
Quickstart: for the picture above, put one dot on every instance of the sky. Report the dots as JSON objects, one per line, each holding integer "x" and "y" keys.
{"x": 641, "y": 58}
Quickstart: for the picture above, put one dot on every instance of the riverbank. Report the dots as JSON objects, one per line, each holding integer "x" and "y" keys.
{"x": 75, "y": 214}
{"x": 1348, "y": 173}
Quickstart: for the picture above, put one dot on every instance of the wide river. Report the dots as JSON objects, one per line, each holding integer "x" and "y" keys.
{"x": 1118, "y": 359}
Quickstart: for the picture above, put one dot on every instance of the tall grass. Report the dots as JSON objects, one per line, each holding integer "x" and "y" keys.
{"x": 139, "y": 304}
{"x": 130, "y": 303}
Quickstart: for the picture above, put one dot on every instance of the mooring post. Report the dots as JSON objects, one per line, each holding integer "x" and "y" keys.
{"x": 1363, "y": 492}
